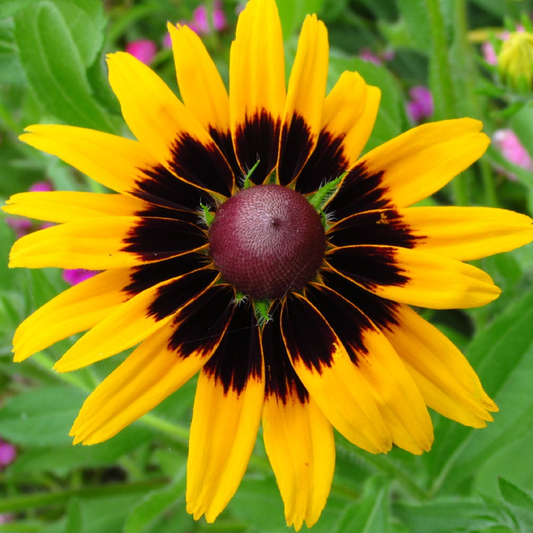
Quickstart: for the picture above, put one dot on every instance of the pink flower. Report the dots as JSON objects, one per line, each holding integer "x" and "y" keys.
{"x": 512, "y": 149}
{"x": 218, "y": 18}
{"x": 378, "y": 59}
{"x": 201, "y": 23}
{"x": 489, "y": 54}
{"x": 7, "y": 453}
{"x": 420, "y": 105}
{"x": 77, "y": 275}
{"x": 6, "y": 518}
{"x": 370, "y": 57}
{"x": 41, "y": 186}
{"x": 144, "y": 50}
{"x": 20, "y": 225}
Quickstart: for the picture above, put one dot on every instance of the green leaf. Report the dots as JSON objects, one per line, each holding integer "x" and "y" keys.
{"x": 40, "y": 417}
{"x": 10, "y": 7}
{"x": 292, "y": 14}
{"x": 155, "y": 504}
{"x": 258, "y": 502}
{"x": 370, "y": 513}
{"x": 86, "y": 24}
{"x": 54, "y": 66}
{"x": 106, "y": 514}
{"x": 514, "y": 495}
{"x": 444, "y": 515}
{"x": 59, "y": 459}
{"x": 10, "y": 67}
{"x": 74, "y": 519}
{"x": 7, "y": 275}
{"x": 502, "y": 355}
{"x": 415, "y": 16}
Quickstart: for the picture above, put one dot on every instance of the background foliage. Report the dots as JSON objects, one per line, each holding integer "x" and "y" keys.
{"x": 52, "y": 70}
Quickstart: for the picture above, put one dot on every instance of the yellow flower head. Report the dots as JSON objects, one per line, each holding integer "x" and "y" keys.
{"x": 515, "y": 61}
{"x": 248, "y": 241}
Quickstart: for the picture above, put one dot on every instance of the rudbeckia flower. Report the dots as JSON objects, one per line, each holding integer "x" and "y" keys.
{"x": 249, "y": 242}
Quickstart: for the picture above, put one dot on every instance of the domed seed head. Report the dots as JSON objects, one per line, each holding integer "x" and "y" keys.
{"x": 267, "y": 241}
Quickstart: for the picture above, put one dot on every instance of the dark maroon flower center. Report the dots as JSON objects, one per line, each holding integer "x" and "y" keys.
{"x": 266, "y": 241}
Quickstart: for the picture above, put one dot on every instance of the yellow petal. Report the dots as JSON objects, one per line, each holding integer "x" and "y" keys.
{"x": 149, "y": 375}
{"x": 467, "y": 233}
{"x": 444, "y": 376}
{"x": 170, "y": 132}
{"x": 113, "y": 161}
{"x": 398, "y": 398}
{"x": 257, "y": 87}
{"x": 302, "y": 117}
{"x": 350, "y": 111}
{"x": 414, "y": 277}
{"x": 223, "y": 434}
{"x": 200, "y": 84}
{"x": 424, "y": 159}
{"x": 77, "y": 309}
{"x": 59, "y": 206}
{"x": 332, "y": 379}
{"x": 301, "y": 449}
{"x": 99, "y": 244}
{"x": 396, "y": 395}
{"x": 132, "y": 322}
{"x": 348, "y": 117}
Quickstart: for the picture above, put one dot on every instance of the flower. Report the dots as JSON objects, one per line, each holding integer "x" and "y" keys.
{"x": 248, "y": 242}
{"x": 201, "y": 23}
{"x": 143, "y": 49}
{"x": 378, "y": 59}
{"x": 515, "y": 60}
{"x": 489, "y": 54}
{"x": 23, "y": 226}
{"x": 512, "y": 149}
{"x": 8, "y": 453}
{"x": 73, "y": 276}
{"x": 420, "y": 105}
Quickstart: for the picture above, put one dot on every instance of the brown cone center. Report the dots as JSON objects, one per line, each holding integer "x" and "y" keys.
{"x": 267, "y": 241}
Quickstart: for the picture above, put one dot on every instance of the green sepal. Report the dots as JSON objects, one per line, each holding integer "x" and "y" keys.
{"x": 207, "y": 215}
{"x": 240, "y": 297}
{"x": 247, "y": 183}
{"x": 261, "y": 308}
{"x": 319, "y": 199}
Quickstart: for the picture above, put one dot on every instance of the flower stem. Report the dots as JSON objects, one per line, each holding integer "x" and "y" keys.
{"x": 441, "y": 72}
{"x": 40, "y": 500}
{"x": 177, "y": 433}
{"x": 442, "y": 81}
